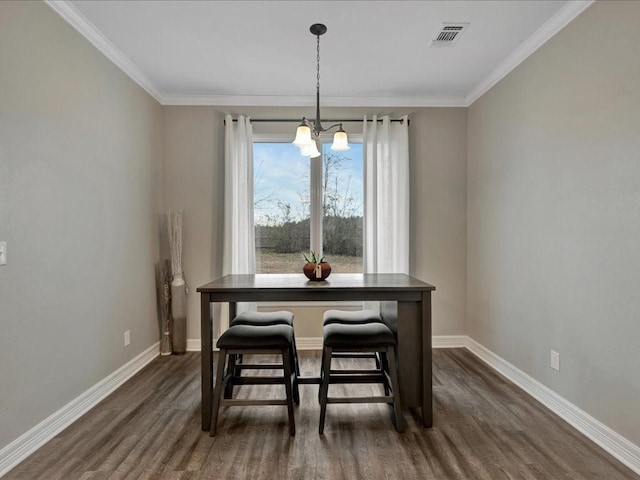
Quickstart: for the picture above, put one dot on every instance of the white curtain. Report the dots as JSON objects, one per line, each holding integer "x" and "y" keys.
{"x": 239, "y": 237}
{"x": 386, "y": 218}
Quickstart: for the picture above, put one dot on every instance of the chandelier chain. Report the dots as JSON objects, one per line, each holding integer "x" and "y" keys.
{"x": 318, "y": 64}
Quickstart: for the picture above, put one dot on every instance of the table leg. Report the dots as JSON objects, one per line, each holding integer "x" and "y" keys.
{"x": 206, "y": 355}
{"x": 407, "y": 317}
{"x": 427, "y": 362}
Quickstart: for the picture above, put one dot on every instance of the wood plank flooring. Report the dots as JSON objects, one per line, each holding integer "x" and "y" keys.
{"x": 485, "y": 428}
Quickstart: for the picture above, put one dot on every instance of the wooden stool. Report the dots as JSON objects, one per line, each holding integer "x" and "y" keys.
{"x": 372, "y": 337}
{"x": 251, "y": 339}
{"x": 355, "y": 317}
{"x": 264, "y": 319}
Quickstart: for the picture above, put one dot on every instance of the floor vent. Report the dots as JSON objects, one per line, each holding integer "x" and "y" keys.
{"x": 449, "y": 34}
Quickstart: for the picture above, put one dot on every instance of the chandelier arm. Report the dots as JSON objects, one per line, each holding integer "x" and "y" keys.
{"x": 332, "y": 126}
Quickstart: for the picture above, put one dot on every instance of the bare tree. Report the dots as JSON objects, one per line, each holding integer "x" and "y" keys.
{"x": 284, "y": 227}
{"x": 337, "y": 199}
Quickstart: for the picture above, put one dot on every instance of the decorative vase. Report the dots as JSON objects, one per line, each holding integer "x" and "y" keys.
{"x": 316, "y": 271}
{"x": 179, "y": 314}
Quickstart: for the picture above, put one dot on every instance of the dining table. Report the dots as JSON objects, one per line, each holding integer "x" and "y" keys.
{"x": 405, "y": 305}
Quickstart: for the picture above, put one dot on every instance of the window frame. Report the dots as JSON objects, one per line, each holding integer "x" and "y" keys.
{"x": 315, "y": 182}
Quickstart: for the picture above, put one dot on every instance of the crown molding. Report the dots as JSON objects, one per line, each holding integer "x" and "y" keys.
{"x": 309, "y": 101}
{"x": 556, "y": 23}
{"x": 89, "y": 31}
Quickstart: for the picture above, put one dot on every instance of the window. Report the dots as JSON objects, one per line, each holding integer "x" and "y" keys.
{"x": 303, "y": 204}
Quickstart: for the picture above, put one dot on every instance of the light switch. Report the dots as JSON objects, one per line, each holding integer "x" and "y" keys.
{"x": 3, "y": 253}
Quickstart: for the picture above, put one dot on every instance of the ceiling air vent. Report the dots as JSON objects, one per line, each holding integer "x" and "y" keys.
{"x": 449, "y": 34}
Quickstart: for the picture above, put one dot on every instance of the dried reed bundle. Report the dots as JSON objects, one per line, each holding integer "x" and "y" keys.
{"x": 174, "y": 226}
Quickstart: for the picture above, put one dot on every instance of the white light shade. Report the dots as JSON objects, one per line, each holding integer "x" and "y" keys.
{"x": 340, "y": 142}
{"x": 310, "y": 150}
{"x": 303, "y": 136}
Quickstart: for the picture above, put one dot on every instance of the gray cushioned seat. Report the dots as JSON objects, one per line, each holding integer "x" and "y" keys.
{"x": 373, "y": 334}
{"x": 252, "y": 336}
{"x": 343, "y": 316}
{"x": 264, "y": 318}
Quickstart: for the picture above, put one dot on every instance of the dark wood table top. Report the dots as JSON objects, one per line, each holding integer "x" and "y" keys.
{"x": 354, "y": 282}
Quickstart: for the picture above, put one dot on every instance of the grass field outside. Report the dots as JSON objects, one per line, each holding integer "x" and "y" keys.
{"x": 271, "y": 262}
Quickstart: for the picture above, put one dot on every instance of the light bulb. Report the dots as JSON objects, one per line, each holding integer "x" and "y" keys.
{"x": 303, "y": 135}
{"x": 340, "y": 141}
{"x": 310, "y": 150}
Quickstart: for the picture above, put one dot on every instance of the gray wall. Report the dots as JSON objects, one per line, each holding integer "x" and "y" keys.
{"x": 554, "y": 215}
{"x": 80, "y": 179}
{"x": 193, "y": 182}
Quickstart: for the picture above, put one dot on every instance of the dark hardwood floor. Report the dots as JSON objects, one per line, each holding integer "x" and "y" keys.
{"x": 485, "y": 428}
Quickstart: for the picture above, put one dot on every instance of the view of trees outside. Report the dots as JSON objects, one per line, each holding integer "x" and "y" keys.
{"x": 282, "y": 207}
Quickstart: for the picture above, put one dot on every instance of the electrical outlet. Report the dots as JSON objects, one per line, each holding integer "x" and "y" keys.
{"x": 555, "y": 360}
{"x": 127, "y": 337}
{"x": 3, "y": 253}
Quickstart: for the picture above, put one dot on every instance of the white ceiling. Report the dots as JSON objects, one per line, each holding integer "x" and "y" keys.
{"x": 375, "y": 53}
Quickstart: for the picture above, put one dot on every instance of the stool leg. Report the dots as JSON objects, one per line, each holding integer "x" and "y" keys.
{"x": 231, "y": 369}
{"x": 397, "y": 404}
{"x": 286, "y": 365}
{"x": 295, "y": 356}
{"x": 294, "y": 364}
{"x": 325, "y": 379}
{"x": 383, "y": 366}
{"x": 217, "y": 391}
{"x": 239, "y": 358}
{"x": 321, "y": 375}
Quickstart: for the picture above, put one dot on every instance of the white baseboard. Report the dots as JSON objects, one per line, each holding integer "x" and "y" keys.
{"x": 439, "y": 341}
{"x": 309, "y": 343}
{"x": 449, "y": 341}
{"x": 612, "y": 442}
{"x": 29, "y": 442}
{"x": 315, "y": 343}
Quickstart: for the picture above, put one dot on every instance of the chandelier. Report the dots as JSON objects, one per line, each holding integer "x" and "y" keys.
{"x": 308, "y": 145}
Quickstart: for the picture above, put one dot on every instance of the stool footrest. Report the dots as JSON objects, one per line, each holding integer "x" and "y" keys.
{"x": 259, "y": 366}
{"x": 257, "y": 380}
{"x": 256, "y": 402}
{"x": 346, "y": 371}
{"x": 353, "y": 355}
{"x": 357, "y": 379}
{"x": 386, "y": 399}
{"x": 309, "y": 380}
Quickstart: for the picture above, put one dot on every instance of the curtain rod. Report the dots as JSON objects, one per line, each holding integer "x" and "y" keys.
{"x": 297, "y": 120}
